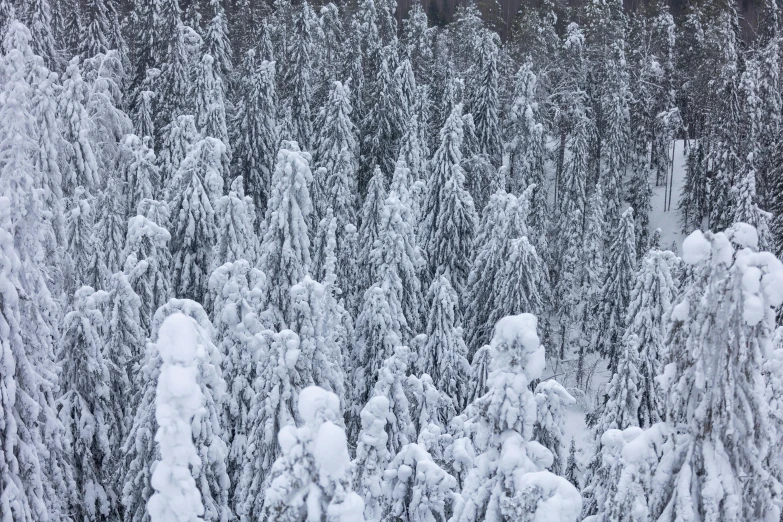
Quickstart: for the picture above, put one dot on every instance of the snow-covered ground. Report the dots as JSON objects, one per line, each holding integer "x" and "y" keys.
{"x": 668, "y": 221}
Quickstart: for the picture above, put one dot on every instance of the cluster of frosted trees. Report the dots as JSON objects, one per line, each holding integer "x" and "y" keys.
{"x": 303, "y": 265}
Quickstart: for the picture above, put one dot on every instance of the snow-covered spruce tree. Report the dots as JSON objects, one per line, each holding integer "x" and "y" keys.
{"x": 87, "y": 409}
{"x": 255, "y": 143}
{"x": 479, "y": 369}
{"x": 443, "y": 356}
{"x": 620, "y": 411}
{"x": 139, "y": 172}
{"x": 104, "y": 76}
{"x": 25, "y": 218}
{"x": 140, "y": 449}
{"x": 693, "y": 204}
{"x": 147, "y": 261}
{"x": 482, "y": 178}
{"x": 24, "y": 402}
{"x": 94, "y": 38}
{"x": 616, "y": 130}
{"x": 449, "y": 216}
{"x": 384, "y": 123}
{"x": 285, "y": 248}
{"x": 593, "y": 277}
{"x": 68, "y": 26}
{"x": 299, "y": 76}
{"x": 321, "y": 359}
{"x": 275, "y": 392}
{"x": 180, "y": 136}
{"x": 432, "y": 411}
{"x": 650, "y": 303}
{"x": 613, "y": 497}
{"x": 721, "y": 326}
{"x": 50, "y": 142}
{"x": 417, "y": 41}
{"x": 178, "y": 400}
{"x": 339, "y": 320}
{"x": 549, "y": 429}
{"x": 378, "y": 331}
{"x": 336, "y": 152}
{"x": 193, "y": 218}
{"x": 141, "y": 22}
{"x": 392, "y": 383}
{"x": 616, "y": 291}
{"x": 332, "y": 39}
{"x": 575, "y": 170}
{"x": 414, "y": 152}
{"x": 569, "y": 228}
{"x": 526, "y": 144}
{"x": 123, "y": 349}
{"x": 397, "y": 261}
{"x": 369, "y": 230}
{"x": 324, "y": 248}
{"x": 507, "y": 478}
{"x": 37, "y": 16}
{"x": 773, "y": 393}
{"x": 366, "y": 50}
{"x": 521, "y": 283}
{"x": 769, "y": 102}
{"x": 484, "y": 103}
{"x": 80, "y": 244}
{"x": 110, "y": 230}
{"x": 372, "y": 457}
{"x": 216, "y": 40}
{"x": 80, "y": 154}
{"x": 143, "y": 117}
{"x": 234, "y": 292}
{"x": 470, "y": 25}
{"x": 498, "y": 222}
{"x": 175, "y": 74}
{"x": 314, "y": 460}
{"x": 209, "y": 107}
{"x": 416, "y": 487}
{"x": 724, "y": 152}
{"x": 571, "y": 473}
{"x": 513, "y": 272}
{"x": 405, "y": 79}
{"x": 744, "y": 198}
{"x": 639, "y": 194}
{"x": 234, "y": 216}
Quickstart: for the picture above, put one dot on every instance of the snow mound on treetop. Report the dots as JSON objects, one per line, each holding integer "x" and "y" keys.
{"x": 314, "y": 400}
{"x": 351, "y": 509}
{"x": 178, "y": 340}
{"x": 520, "y": 331}
{"x": 330, "y": 450}
{"x": 695, "y": 248}
{"x": 559, "y": 500}
{"x": 744, "y": 235}
{"x": 140, "y": 226}
{"x": 520, "y": 328}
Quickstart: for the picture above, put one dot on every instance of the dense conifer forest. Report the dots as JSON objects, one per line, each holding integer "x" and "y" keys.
{"x": 366, "y": 262}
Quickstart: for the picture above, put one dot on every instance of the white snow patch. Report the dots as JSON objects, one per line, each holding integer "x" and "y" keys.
{"x": 681, "y": 312}
{"x": 560, "y": 500}
{"x": 744, "y": 235}
{"x": 522, "y": 329}
{"x": 330, "y": 450}
{"x": 351, "y": 509}
{"x": 314, "y": 400}
{"x": 695, "y": 248}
